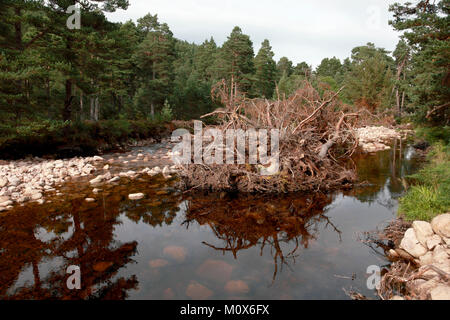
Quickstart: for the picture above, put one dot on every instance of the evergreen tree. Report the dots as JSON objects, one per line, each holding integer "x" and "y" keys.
{"x": 265, "y": 71}
{"x": 329, "y": 68}
{"x": 235, "y": 60}
{"x": 284, "y": 67}
{"x": 426, "y": 30}
{"x": 369, "y": 81}
{"x": 154, "y": 58}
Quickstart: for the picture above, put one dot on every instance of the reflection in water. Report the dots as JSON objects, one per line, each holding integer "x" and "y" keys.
{"x": 170, "y": 246}
{"x": 246, "y": 221}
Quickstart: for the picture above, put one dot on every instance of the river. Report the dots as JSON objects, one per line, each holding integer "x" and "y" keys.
{"x": 219, "y": 246}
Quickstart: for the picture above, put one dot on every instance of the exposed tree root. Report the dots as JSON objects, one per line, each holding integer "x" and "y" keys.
{"x": 315, "y": 141}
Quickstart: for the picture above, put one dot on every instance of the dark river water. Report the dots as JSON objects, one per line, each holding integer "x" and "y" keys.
{"x": 171, "y": 246}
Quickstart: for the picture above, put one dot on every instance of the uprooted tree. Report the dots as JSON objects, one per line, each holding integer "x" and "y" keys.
{"x": 315, "y": 139}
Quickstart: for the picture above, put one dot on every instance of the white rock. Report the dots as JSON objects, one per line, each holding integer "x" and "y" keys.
{"x": 97, "y": 180}
{"x": 397, "y": 298}
{"x": 6, "y": 203}
{"x": 433, "y": 241}
{"x": 115, "y": 179}
{"x": 36, "y": 196}
{"x": 440, "y": 255}
{"x": 411, "y": 245}
{"x": 426, "y": 259}
{"x": 441, "y": 225}
{"x": 441, "y": 292}
{"x": 106, "y": 167}
{"x": 4, "y": 199}
{"x": 97, "y": 158}
{"x": 3, "y": 182}
{"x": 136, "y": 196}
{"x": 14, "y": 182}
{"x": 423, "y": 231}
{"x": 90, "y": 200}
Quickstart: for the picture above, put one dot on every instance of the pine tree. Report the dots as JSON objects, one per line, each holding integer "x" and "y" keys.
{"x": 426, "y": 30}
{"x": 369, "y": 81}
{"x": 235, "y": 60}
{"x": 154, "y": 58}
{"x": 284, "y": 67}
{"x": 265, "y": 76}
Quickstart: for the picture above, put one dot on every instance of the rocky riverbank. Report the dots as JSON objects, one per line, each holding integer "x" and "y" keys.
{"x": 374, "y": 139}
{"x": 422, "y": 262}
{"x": 34, "y": 179}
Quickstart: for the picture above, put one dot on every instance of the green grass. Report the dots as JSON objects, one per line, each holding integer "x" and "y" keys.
{"x": 430, "y": 194}
{"x": 434, "y": 134}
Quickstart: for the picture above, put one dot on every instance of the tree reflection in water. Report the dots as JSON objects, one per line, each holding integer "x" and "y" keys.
{"x": 74, "y": 232}
{"x": 246, "y": 221}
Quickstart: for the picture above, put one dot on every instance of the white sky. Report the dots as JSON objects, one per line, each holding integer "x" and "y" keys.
{"x": 302, "y": 30}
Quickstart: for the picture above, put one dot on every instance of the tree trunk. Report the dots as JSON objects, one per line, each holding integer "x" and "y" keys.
{"x": 97, "y": 108}
{"x": 67, "y": 111}
{"x": 81, "y": 105}
{"x": 91, "y": 111}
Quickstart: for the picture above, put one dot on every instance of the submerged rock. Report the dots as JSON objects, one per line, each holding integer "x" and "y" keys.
{"x": 196, "y": 291}
{"x": 136, "y": 196}
{"x": 236, "y": 287}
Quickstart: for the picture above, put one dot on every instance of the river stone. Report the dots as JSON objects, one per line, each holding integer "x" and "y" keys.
{"x": 236, "y": 287}
{"x": 433, "y": 241}
{"x": 136, "y": 196}
{"x": 115, "y": 179}
{"x": 36, "y": 196}
{"x": 3, "y": 182}
{"x": 97, "y": 158}
{"x": 14, "y": 182}
{"x": 97, "y": 180}
{"x": 90, "y": 200}
{"x": 411, "y": 245}
{"x": 441, "y": 292}
{"x": 397, "y": 298}
{"x": 215, "y": 270}
{"x": 440, "y": 254}
{"x": 196, "y": 291}
{"x": 441, "y": 225}
{"x": 423, "y": 231}
{"x": 6, "y": 203}
{"x": 4, "y": 199}
{"x": 426, "y": 259}
{"x": 169, "y": 294}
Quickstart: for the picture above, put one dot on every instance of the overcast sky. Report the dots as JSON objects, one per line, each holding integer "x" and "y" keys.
{"x": 302, "y": 30}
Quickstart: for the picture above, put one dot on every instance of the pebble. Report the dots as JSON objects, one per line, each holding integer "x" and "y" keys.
{"x": 136, "y": 196}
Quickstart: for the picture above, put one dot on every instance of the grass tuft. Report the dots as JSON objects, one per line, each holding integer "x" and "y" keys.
{"x": 430, "y": 194}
